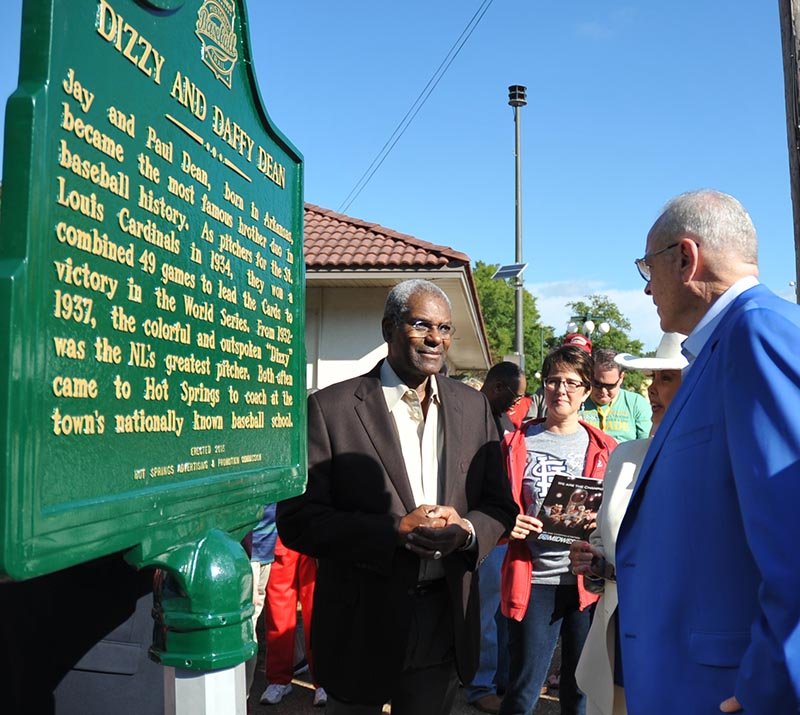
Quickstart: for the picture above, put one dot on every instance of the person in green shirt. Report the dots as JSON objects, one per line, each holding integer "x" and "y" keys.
{"x": 623, "y": 414}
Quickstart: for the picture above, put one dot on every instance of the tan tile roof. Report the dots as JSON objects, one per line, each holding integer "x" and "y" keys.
{"x": 335, "y": 241}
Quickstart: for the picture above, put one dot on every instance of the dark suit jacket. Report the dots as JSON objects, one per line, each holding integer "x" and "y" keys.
{"x": 357, "y": 492}
{"x": 707, "y": 564}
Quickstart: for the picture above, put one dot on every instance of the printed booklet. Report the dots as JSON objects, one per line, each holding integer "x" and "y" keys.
{"x": 569, "y": 510}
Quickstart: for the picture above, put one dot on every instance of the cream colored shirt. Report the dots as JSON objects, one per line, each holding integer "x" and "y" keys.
{"x": 421, "y": 437}
{"x": 421, "y": 442}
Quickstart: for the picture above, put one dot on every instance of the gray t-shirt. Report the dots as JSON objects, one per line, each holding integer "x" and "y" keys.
{"x": 550, "y": 454}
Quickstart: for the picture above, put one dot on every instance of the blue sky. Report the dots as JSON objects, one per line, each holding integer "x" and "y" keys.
{"x": 629, "y": 104}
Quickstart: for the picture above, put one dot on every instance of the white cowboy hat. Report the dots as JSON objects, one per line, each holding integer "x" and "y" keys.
{"x": 668, "y": 356}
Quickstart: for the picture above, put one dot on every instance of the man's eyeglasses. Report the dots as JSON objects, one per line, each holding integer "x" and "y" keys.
{"x": 554, "y": 383}
{"x": 421, "y": 328}
{"x": 608, "y": 386}
{"x": 517, "y": 397}
{"x": 641, "y": 263}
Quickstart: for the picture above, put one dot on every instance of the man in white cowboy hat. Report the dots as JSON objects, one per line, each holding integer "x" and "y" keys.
{"x": 668, "y": 356}
{"x": 667, "y": 361}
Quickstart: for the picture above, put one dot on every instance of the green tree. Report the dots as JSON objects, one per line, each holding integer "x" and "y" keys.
{"x": 497, "y": 300}
{"x": 600, "y": 308}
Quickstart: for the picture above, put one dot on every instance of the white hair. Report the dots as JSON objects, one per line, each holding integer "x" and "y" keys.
{"x": 396, "y": 306}
{"x": 717, "y": 220}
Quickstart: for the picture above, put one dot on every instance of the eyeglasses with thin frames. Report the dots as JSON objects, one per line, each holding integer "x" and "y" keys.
{"x": 554, "y": 383}
{"x": 642, "y": 265}
{"x": 517, "y": 397}
{"x": 423, "y": 328}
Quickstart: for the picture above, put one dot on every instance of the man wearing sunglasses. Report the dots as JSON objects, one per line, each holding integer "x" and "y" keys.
{"x": 623, "y": 414}
{"x": 707, "y": 564}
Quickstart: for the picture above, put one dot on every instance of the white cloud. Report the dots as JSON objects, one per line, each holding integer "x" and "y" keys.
{"x": 638, "y": 308}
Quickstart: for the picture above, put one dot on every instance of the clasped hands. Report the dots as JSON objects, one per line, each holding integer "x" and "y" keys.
{"x": 433, "y": 531}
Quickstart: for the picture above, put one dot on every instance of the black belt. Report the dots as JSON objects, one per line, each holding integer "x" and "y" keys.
{"x": 424, "y": 588}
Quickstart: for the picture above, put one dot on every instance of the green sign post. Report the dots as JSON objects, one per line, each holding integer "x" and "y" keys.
{"x": 151, "y": 308}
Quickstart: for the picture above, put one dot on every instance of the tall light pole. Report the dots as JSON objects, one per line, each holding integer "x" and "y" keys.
{"x": 538, "y": 373}
{"x": 516, "y": 98}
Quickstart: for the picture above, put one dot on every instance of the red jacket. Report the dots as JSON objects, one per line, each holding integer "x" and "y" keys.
{"x": 516, "y": 413}
{"x": 515, "y": 583}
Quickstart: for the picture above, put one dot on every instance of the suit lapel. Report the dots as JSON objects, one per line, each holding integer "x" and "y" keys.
{"x": 382, "y": 432}
{"x": 452, "y": 414}
{"x": 679, "y": 402}
{"x": 671, "y": 415}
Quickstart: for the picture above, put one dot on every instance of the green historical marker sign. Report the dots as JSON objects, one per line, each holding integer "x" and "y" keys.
{"x": 151, "y": 285}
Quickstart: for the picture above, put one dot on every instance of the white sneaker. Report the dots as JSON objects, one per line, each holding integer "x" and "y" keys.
{"x": 275, "y": 693}
{"x": 320, "y": 698}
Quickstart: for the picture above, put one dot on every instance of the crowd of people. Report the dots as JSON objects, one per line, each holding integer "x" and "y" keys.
{"x": 435, "y": 513}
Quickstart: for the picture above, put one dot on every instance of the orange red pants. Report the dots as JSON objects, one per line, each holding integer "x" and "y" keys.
{"x": 291, "y": 579}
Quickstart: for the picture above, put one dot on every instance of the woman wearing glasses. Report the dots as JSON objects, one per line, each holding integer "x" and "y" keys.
{"x": 539, "y": 593}
{"x": 597, "y": 673}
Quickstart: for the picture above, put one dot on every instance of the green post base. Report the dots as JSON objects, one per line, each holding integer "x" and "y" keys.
{"x": 203, "y": 603}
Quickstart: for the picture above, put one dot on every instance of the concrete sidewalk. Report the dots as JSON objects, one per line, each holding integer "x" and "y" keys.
{"x": 298, "y": 702}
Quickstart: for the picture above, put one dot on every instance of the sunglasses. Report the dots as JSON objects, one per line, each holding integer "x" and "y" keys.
{"x": 609, "y": 386}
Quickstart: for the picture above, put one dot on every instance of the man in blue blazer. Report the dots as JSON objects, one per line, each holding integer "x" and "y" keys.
{"x": 708, "y": 565}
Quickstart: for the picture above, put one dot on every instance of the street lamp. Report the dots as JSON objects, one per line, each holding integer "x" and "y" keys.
{"x": 587, "y": 325}
{"x": 517, "y": 99}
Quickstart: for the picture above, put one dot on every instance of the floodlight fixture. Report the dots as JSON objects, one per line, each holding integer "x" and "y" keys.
{"x": 517, "y": 95}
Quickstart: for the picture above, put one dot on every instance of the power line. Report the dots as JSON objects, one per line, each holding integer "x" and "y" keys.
{"x": 418, "y": 103}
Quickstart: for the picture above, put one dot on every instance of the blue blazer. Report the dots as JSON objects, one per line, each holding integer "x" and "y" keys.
{"x": 708, "y": 556}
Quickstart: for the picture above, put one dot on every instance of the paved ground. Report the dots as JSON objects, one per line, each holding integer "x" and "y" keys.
{"x": 298, "y": 702}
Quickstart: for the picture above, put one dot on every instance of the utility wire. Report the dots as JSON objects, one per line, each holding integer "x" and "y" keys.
{"x": 418, "y": 103}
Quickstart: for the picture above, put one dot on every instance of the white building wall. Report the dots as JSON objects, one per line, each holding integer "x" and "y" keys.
{"x": 312, "y": 335}
{"x": 343, "y": 333}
